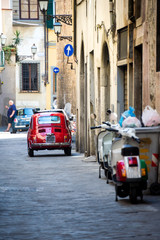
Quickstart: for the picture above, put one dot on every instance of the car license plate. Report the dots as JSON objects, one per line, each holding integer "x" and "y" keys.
{"x": 50, "y": 138}
{"x": 20, "y": 126}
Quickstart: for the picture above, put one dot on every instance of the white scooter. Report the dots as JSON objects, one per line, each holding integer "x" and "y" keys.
{"x": 118, "y": 155}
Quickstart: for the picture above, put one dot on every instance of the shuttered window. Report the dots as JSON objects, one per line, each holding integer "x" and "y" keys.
{"x": 29, "y": 9}
{"x": 50, "y": 19}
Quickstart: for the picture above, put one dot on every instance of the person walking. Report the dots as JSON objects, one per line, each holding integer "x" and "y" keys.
{"x": 11, "y": 113}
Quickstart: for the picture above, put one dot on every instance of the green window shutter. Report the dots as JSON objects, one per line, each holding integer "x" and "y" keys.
{"x": 50, "y": 12}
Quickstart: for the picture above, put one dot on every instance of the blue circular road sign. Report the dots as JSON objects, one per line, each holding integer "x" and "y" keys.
{"x": 56, "y": 70}
{"x": 68, "y": 50}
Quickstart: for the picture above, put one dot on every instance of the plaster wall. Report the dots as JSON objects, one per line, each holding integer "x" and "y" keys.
{"x": 121, "y": 13}
{"x": 7, "y": 26}
{"x": 8, "y": 88}
{"x": 30, "y": 35}
{"x": 6, "y": 4}
{"x": 93, "y": 29}
{"x": 0, "y": 17}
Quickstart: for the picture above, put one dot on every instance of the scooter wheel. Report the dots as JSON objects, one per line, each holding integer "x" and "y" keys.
{"x": 155, "y": 189}
{"x": 121, "y": 192}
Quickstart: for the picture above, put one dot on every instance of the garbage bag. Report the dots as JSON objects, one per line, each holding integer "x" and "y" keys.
{"x": 126, "y": 114}
{"x": 150, "y": 117}
{"x": 131, "y": 122}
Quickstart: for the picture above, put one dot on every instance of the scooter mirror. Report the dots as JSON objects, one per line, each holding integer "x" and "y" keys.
{"x": 93, "y": 116}
{"x": 109, "y": 111}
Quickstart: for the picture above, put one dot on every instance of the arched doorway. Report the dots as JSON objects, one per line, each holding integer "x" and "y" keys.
{"x": 105, "y": 82}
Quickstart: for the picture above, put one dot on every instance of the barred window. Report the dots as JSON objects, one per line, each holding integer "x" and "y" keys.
{"x": 29, "y": 9}
{"x": 30, "y": 77}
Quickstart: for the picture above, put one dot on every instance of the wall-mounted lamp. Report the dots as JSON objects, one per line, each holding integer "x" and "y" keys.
{"x": 57, "y": 31}
{"x": 33, "y": 50}
{"x": 3, "y": 39}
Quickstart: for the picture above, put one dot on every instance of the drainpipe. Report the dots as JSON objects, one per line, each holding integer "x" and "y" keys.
{"x": 111, "y": 11}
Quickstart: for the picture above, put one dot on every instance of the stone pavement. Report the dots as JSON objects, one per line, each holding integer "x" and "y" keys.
{"x": 56, "y": 197}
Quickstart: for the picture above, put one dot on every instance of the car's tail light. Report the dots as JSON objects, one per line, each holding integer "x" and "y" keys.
{"x": 132, "y": 161}
{"x": 65, "y": 138}
{"x": 15, "y": 120}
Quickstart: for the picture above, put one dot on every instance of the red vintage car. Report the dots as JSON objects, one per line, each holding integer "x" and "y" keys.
{"x": 49, "y": 130}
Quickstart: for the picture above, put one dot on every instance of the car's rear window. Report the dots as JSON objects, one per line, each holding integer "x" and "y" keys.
{"x": 49, "y": 119}
{"x": 28, "y": 111}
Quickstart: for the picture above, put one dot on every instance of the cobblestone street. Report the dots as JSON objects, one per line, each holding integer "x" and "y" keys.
{"x": 52, "y": 196}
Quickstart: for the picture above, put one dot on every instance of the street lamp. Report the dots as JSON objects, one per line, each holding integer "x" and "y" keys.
{"x": 33, "y": 50}
{"x": 43, "y": 4}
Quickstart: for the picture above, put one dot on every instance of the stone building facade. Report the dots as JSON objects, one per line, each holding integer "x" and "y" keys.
{"x": 117, "y": 46}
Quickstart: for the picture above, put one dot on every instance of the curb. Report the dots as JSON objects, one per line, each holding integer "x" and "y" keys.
{"x": 90, "y": 159}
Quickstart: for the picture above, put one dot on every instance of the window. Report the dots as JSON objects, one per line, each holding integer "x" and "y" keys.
{"x": 20, "y": 112}
{"x": 29, "y": 9}
{"x": 28, "y": 111}
{"x": 122, "y": 44}
{"x": 30, "y": 77}
{"x": 49, "y": 119}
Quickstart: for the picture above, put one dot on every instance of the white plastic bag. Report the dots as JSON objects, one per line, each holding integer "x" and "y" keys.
{"x": 131, "y": 122}
{"x": 150, "y": 117}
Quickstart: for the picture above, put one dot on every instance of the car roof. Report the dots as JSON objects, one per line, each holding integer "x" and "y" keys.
{"x": 53, "y": 111}
{"x": 25, "y": 108}
{"x": 46, "y": 113}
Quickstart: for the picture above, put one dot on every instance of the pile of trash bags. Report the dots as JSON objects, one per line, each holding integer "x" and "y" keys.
{"x": 150, "y": 118}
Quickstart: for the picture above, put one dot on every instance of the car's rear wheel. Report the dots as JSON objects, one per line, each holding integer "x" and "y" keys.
{"x": 30, "y": 152}
{"x": 67, "y": 151}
